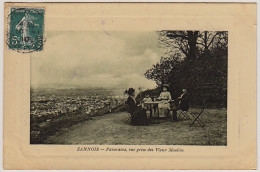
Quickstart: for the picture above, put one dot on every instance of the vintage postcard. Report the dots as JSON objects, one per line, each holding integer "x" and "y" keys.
{"x": 130, "y": 86}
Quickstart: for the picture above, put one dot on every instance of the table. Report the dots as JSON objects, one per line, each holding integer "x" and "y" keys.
{"x": 151, "y": 109}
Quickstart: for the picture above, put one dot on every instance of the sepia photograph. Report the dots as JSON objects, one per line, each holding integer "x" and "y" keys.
{"x": 129, "y": 86}
{"x": 165, "y": 87}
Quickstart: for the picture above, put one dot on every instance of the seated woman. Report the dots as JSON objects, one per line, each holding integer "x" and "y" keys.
{"x": 164, "y": 105}
{"x": 138, "y": 114}
{"x": 146, "y": 107}
{"x": 145, "y": 100}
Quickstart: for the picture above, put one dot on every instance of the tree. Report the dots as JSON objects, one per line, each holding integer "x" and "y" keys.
{"x": 160, "y": 71}
{"x": 195, "y": 60}
{"x": 185, "y": 41}
{"x": 191, "y": 44}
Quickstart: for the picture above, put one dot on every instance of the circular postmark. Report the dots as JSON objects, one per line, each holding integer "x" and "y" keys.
{"x": 25, "y": 29}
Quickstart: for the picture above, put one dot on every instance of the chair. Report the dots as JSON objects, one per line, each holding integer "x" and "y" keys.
{"x": 184, "y": 107}
{"x": 197, "y": 119}
{"x": 184, "y": 114}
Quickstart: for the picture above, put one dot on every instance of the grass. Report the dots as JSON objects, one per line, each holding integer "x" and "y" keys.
{"x": 111, "y": 129}
{"x": 45, "y": 126}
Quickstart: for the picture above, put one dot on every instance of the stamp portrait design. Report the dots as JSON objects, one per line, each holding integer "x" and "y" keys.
{"x": 26, "y": 29}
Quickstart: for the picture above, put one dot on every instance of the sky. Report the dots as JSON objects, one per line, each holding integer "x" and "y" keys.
{"x": 95, "y": 59}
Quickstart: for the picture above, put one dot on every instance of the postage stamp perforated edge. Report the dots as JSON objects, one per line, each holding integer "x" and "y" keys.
{"x": 8, "y": 31}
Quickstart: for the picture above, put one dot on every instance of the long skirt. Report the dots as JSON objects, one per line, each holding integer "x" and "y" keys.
{"x": 164, "y": 108}
{"x": 139, "y": 117}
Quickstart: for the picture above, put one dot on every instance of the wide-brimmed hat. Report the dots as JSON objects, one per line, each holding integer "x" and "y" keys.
{"x": 165, "y": 85}
{"x": 130, "y": 91}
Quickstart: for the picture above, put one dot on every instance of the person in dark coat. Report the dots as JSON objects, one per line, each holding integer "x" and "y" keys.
{"x": 138, "y": 114}
{"x": 184, "y": 100}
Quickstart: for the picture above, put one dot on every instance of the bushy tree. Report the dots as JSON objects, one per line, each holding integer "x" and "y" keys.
{"x": 195, "y": 60}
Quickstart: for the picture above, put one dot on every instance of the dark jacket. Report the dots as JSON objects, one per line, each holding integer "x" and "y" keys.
{"x": 131, "y": 105}
{"x": 138, "y": 114}
{"x": 185, "y": 102}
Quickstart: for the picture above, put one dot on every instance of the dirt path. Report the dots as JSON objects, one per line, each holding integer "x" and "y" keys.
{"x": 111, "y": 129}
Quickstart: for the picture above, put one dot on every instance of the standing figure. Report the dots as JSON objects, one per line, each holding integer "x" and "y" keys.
{"x": 24, "y": 26}
{"x": 164, "y": 105}
{"x": 138, "y": 114}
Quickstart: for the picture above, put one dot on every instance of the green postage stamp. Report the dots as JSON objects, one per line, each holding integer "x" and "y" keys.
{"x": 26, "y": 29}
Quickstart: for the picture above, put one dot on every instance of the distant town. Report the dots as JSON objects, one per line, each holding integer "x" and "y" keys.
{"x": 69, "y": 101}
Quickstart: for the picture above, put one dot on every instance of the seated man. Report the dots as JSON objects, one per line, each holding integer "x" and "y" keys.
{"x": 184, "y": 100}
{"x": 181, "y": 103}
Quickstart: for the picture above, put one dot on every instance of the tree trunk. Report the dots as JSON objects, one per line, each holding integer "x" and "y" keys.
{"x": 205, "y": 41}
{"x": 192, "y": 40}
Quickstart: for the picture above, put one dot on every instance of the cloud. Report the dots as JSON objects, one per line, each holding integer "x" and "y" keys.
{"x": 95, "y": 59}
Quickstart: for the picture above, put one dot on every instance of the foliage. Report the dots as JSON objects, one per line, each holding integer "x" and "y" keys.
{"x": 201, "y": 69}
